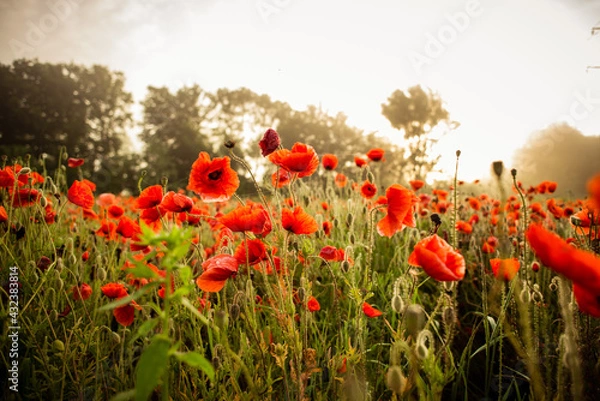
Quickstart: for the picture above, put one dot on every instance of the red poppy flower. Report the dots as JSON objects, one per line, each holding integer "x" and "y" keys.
{"x": 214, "y": 180}
{"x": 487, "y": 248}
{"x": 587, "y": 301}
{"x": 127, "y": 227}
{"x": 579, "y": 266}
{"x": 149, "y": 197}
{"x": 298, "y": 221}
{"x": 89, "y": 184}
{"x": 312, "y": 304}
{"x": 438, "y": 259}
{"x": 332, "y": 254}
{"x": 114, "y": 290}
{"x": 327, "y": 226}
{"x": 474, "y": 203}
{"x": 251, "y": 217}
{"x": 25, "y": 197}
{"x": 269, "y": 142}
{"x": 368, "y": 189}
{"x": 341, "y": 180}
{"x": 464, "y": 227}
{"x": 400, "y": 211}
{"x": 593, "y": 187}
{"x": 281, "y": 178}
{"x": 3, "y": 214}
{"x": 505, "y": 269}
{"x": 74, "y": 162}
{"x": 376, "y": 154}
{"x": 82, "y": 292}
{"x": 151, "y": 217}
{"x": 359, "y": 161}
{"x": 416, "y": 184}
{"x": 370, "y": 311}
{"x": 107, "y": 229}
{"x": 252, "y": 251}
{"x": 81, "y": 195}
{"x": 176, "y": 203}
{"x": 7, "y": 177}
{"x": 330, "y": 161}
{"x": 301, "y": 160}
{"x": 115, "y": 211}
{"x": 216, "y": 272}
{"x": 85, "y": 256}
{"x": 106, "y": 199}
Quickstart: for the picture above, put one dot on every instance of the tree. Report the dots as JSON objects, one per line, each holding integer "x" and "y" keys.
{"x": 416, "y": 112}
{"x": 47, "y": 106}
{"x": 172, "y": 131}
{"x": 559, "y": 153}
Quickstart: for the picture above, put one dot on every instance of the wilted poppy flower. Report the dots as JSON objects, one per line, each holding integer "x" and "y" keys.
{"x": 416, "y": 184}
{"x": 82, "y": 292}
{"x": 368, "y": 189}
{"x": 579, "y": 266}
{"x": 81, "y": 195}
{"x": 298, "y": 221}
{"x": 269, "y": 142}
{"x": 370, "y": 311}
{"x": 312, "y": 304}
{"x": 216, "y": 272}
{"x": 301, "y": 160}
{"x": 359, "y": 161}
{"x": 251, "y": 251}
{"x": 376, "y": 154}
{"x": 176, "y": 203}
{"x": 505, "y": 269}
{"x": 251, "y": 217}
{"x": 73, "y": 162}
{"x": 400, "y": 210}
{"x": 214, "y": 180}
{"x": 150, "y": 197}
{"x": 330, "y": 161}
{"x": 438, "y": 259}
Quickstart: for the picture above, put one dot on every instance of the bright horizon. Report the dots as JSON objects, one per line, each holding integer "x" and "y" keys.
{"x": 506, "y": 71}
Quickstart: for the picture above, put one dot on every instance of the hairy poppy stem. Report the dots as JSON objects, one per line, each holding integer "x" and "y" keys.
{"x": 524, "y": 201}
{"x": 247, "y": 167}
{"x": 454, "y": 230}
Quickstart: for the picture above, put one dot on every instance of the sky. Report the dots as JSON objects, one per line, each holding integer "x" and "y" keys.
{"x": 504, "y": 69}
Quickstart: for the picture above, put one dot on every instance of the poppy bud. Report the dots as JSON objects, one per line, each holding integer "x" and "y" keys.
{"x": 414, "y": 319}
{"x": 234, "y": 311}
{"x": 58, "y": 345}
{"x": 59, "y": 265}
{"x": 101, "y": 274}
{"x": 424, "y": 344}
{"x": 513, "y": 172}
{"x": 397, "y": 303}
{"x": 395, "y": 379}
{"x": 24, "y": 171}
{"x": 396, "y": 353}
{"x": 525, "y": 296}
{"x": 458, "y": 152}
{"x": 349, "y": 219}
{"x": 221, "y": 319}
{"x": 535, "y": 266}
{"x": 116, "y": 337}
{"x": 43, "y": 202}
{"x": 370, "y": 177}
{"x": 449, "y": 316}
{"x": 229, "y": 144}
{"x": 216, "y": 362}
{"x": 498, "y": 168}
{"x": 301, "y": 294}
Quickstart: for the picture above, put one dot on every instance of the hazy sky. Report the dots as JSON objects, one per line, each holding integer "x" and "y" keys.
{"x": 504, "y": 68}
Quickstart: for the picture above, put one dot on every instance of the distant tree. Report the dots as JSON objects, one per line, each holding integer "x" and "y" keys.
{"x": 46, "y": 106}
{"x": 559, "y": 153}
{"x": 172, "y": 132}
{"x": 416, "y": 112}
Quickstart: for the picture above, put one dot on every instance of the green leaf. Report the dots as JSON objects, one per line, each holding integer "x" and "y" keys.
{"x": 186, "y": 302}
{"x": 124, "y": 396}
{"x": 151, "y": 366}
{"x": 196, "y": 360}
{"x": 144, "y": 329}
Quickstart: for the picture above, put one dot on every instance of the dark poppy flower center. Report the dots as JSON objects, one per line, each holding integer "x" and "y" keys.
{"x": 215, "y": 175}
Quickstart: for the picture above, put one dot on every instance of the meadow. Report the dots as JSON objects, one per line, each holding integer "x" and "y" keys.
{"x": 316, "y": 286}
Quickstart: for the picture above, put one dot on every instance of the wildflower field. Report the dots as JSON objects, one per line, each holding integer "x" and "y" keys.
{"x": 315, "y": 286}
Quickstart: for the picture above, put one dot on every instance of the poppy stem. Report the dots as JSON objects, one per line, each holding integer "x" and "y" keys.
{"x": 524, "y": 207}
{"x": 455, "y": 207}
{"x": 247, "y": 167}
